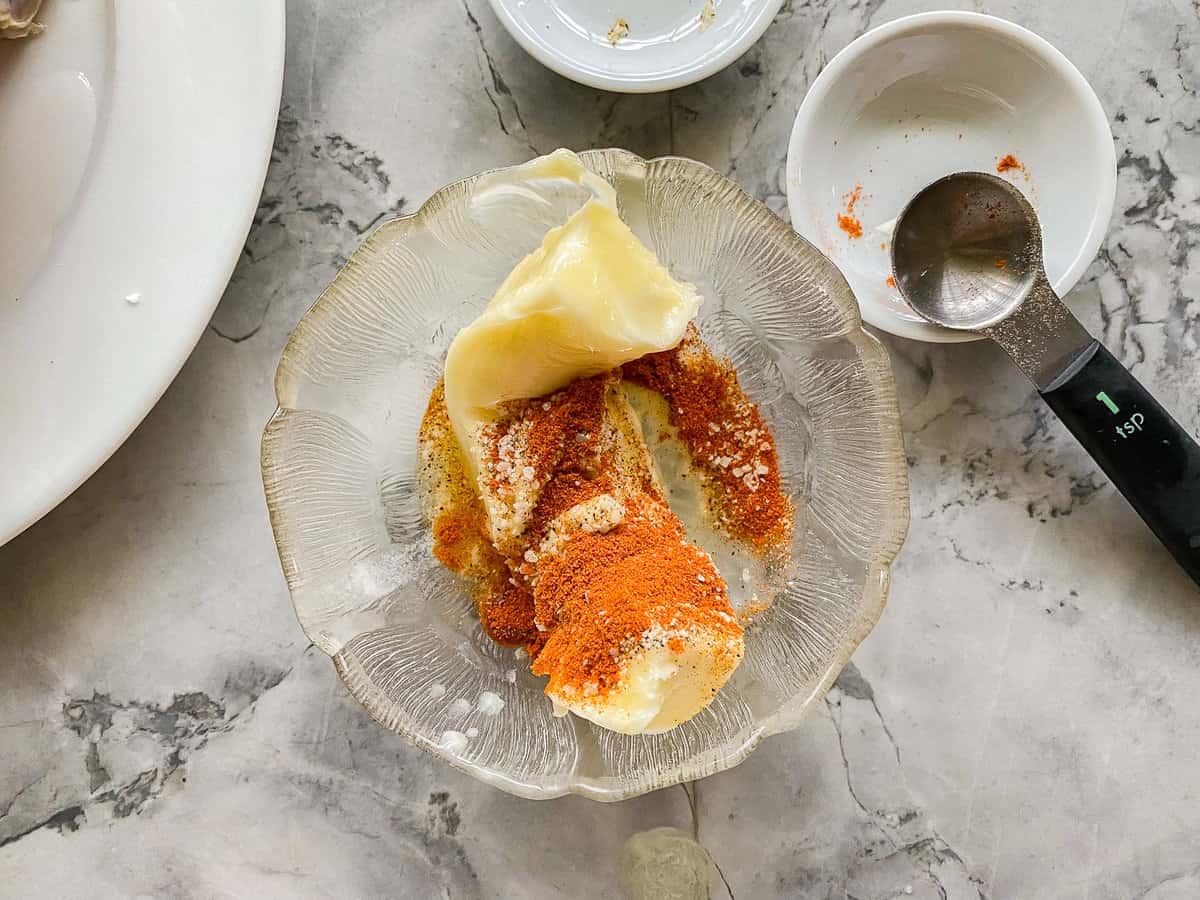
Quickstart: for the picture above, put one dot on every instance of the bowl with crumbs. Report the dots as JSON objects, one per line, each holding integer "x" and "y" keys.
{"x": 586, "y": 475}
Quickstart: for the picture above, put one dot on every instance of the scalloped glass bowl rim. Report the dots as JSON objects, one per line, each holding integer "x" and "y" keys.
{"x": 785, "y": 718}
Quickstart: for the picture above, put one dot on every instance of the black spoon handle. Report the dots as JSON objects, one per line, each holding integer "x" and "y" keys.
{"x": 1142, "y": 450}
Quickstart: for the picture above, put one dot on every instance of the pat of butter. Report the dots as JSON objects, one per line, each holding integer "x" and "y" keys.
{"x": 589, "y": 299}
{"x": 660, "y": 688}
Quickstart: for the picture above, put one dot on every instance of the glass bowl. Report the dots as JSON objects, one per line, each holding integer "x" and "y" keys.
{"x": 339, "y": 468}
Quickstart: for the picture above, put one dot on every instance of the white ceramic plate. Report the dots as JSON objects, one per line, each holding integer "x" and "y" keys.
{"x": 931, "y": 94}
{"x": 134, "y": 139}
{"x": 669, "y": 43}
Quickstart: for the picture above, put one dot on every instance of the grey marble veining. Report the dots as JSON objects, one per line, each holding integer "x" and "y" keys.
{"x": 1021, "y": 723}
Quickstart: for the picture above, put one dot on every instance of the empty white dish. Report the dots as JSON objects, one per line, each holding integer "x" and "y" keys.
{"x": 617, "y": 45}
{"x": 935, "y": 93}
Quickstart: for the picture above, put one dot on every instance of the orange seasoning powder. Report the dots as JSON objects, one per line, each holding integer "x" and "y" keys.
{"x": 580, "y": 609}
{"x": 561, "y": 452}
{"x": 726, "y": 436}
{"x": 606, "y": 594}
{"x": 507, "y": 613}
{"x": 846, "y": 220}
{"x": 1009, "y": 162}
{"x": 462, "y": 544}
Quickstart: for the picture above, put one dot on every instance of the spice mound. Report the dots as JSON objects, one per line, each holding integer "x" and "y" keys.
{"x": 1008, "y": 163}
{"x": 571, "y": 547}
{"x": 573, "y": 516}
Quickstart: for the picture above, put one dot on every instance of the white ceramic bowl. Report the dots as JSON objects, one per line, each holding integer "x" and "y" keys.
{"x": 941, "y": 92}
{"x": 670, "y": 43}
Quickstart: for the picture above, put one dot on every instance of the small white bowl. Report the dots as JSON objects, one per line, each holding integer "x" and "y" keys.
{"x": 669, "y": 43}
{"x": 942, "y": 92}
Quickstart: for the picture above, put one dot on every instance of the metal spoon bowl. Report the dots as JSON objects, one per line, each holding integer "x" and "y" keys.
{"x": 967, "y": 254}
{"x": 967, "y": 250}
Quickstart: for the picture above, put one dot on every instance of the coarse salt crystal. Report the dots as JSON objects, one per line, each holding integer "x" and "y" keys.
{"x": 745, "y": 574}
{"x": 489, "y": 704}
{"x": 530, "y": 556}
{"x": 472, "y": 732}
{"x": 460, "y": 707}
{"x": 454, "y": 741}
{"x": 699, "y": 577}
{"x": 437, "y": 690}
{"x": 760, "y": 469}
{"x": 511, "y": 676}
{"x": 527, "y": 473}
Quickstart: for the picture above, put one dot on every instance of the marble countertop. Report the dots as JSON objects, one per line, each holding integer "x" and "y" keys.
{"x": 1021, "y": 723}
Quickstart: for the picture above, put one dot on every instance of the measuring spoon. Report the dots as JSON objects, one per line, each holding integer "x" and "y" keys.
{"x": 967, "y": 255}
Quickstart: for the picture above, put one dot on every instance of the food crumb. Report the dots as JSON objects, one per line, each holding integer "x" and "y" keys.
{"x": 850, "y": 225}
{"x": 846, "y": 220}
{"x": 490, "y": 703}
{"x": 620, "y": 29}
{"x": 891, "y": 282}
{"x": 454, "y": 741}
{"x": 883, "y": 245}
{"x": 708, "y": 15}
{"x": 1001, "y": 262}
{"x": 1008, "y": 162}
